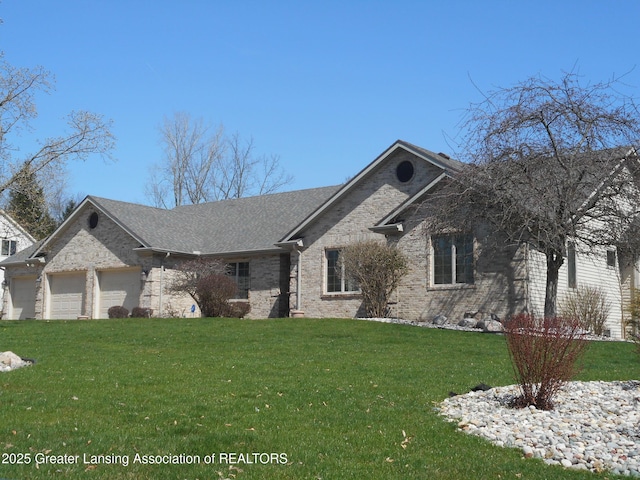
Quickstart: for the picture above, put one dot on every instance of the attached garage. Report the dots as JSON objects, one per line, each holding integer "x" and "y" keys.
{"x": 23, "y": 298}
{"x": 118, "y": 288}
{"x": 66, "y": 295}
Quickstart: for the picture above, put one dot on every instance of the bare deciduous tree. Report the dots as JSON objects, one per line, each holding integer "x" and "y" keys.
{"x": 202, "y": 164}
{"x": 548, "y": 163}
{"x": 88, "y": 133}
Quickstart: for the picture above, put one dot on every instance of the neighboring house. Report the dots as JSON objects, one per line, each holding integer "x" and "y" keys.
{"x": 13, "y": 239}
{"x": 283, "y": 251}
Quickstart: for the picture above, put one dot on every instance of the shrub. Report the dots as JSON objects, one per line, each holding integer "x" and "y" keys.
{"x": 589, "y": 305}
{"x": 544, "y": 354}
{"x": 213, "y": 293}
{"x": 118, "y": 311}
{"x": 141, "y": 312}
{"x": 239, "y": 309}
{"x": 377, "y": 268}
{"x": 634, "y": 312}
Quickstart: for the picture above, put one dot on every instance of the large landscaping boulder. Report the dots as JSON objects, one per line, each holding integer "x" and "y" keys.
{"x": 440, "y": 320}
{"x": 9, "y": 361}
{"x": 468, "y": 322}
{"x": 492, "y": 326}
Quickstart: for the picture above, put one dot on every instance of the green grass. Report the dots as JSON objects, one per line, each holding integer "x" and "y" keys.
{"x": 333, "y": 395}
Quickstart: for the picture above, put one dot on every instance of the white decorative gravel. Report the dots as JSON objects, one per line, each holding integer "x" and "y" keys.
{"x": 593, "y": 426}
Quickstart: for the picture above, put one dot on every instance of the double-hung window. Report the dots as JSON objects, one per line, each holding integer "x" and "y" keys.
{"x": 337, "y": 280}
{"x": 452, "y": 259}
{"x": 8, "y": 247}
{"x": 239, "y": 271}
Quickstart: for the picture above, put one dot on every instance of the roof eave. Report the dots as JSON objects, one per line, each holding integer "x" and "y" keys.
{"x": 392, "y": 229}
{"x": 225, "y": 254}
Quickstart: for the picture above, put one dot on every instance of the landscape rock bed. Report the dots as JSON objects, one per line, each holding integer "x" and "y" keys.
{"x": 466, "y": 328}
{"x": 594, "y": 426}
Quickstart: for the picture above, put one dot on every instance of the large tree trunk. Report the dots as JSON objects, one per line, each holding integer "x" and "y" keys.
{"x": 554, "y": 262}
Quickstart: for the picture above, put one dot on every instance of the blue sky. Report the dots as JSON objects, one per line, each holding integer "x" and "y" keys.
{"x": 326, "y": 85}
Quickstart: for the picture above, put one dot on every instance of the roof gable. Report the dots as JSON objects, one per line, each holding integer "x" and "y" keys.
{"x": 13, "y": 224}
{"x": 448, "y": 166}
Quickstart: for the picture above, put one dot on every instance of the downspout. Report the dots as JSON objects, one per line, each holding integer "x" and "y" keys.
{"x": 160, "y": 312}
{"x": 298, "y": 312}
{"x": 299, "y": 281}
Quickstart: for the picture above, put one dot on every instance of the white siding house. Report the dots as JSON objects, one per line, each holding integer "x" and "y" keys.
{"x": 13, "y": 239}
{"x": 600, "y": 270}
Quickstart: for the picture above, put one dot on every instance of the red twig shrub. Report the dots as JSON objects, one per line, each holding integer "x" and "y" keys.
{"x": 544, "y": 353}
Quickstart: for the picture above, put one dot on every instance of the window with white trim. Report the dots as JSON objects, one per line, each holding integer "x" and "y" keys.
{"x": 337, "y": 281}
{"x": 240, "y": 272}
{"x": 9, "y": 247}
{"x": 452, "y": 259}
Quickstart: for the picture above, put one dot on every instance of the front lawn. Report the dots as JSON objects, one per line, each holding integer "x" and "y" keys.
{"x": 312, "y": 399}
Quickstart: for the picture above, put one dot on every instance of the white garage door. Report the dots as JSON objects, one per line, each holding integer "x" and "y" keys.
{"x": 23, "y": 298}
{"x": 118, "y": 287}
{"x": 67, "y": 295}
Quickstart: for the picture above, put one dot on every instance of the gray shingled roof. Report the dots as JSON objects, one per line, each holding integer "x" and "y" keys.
{"x": 23, "y": 255}
{"x": 226, "y": 226}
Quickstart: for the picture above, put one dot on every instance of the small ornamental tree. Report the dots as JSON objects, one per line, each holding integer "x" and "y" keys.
{"x": 377, "y": 269}
{"x": 544, "y": 353}
{"x": 206, "y": 280}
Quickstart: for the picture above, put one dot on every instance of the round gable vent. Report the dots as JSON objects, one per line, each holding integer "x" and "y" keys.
{"x": 93, "y": 220}
{"x": 404, "y": 171}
